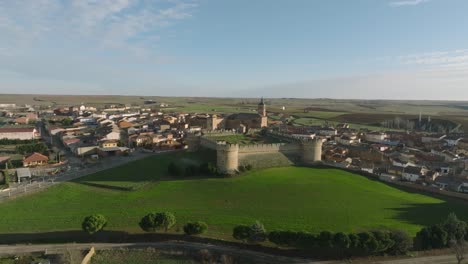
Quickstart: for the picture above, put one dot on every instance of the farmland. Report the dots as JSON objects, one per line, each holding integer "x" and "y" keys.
{"x": 294, "y": 198}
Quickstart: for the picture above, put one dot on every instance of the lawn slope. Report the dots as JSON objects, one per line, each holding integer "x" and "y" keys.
{"x": 282, "y": 198}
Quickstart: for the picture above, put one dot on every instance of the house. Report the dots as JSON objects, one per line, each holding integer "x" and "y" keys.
{"x": 19, "y": 133}
{"x": 35, "y": 159}
{"x": 452, "y": 141}
{"x": 400, "y": 163}
{"x": 431, "y": 139}
{"x": 443, "y": 182}
{"x": 4, "y": 161}
{"x": 328, "y": 131}
{"x": 395, "y": 171}
{"x": 412, "y": 173}
{"x": 347, "y": 140}
{"x": 22, "y": 120}
{"x": 125, "y": 124}
{"x": 113, "y": 135}
{"x": 432, "y": 175}
{"x": 109, "y": 144}
{"x": 376, "y": 137}
{"x": 380, "y": 147}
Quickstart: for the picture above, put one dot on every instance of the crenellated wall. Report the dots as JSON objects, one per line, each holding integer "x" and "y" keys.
{"x": 231, "y": 156}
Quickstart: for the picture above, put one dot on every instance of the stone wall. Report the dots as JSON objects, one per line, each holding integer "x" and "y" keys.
{"x": 231, "y": 156}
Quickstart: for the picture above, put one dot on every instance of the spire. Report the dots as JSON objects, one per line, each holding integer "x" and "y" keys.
{"x": 261, "y": 101}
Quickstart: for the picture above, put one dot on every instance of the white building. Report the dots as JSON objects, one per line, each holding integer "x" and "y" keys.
{"x": 19, "y": 133}
{"x": 376, "y": 137}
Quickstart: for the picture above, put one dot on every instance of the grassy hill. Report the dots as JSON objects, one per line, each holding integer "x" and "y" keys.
{"x": 282, "y": 198}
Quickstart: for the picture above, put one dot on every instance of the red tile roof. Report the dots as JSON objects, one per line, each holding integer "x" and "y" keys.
{"x": 35, "y": 157}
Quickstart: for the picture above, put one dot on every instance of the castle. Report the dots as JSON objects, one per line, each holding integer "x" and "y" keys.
{"x": 229, "y": 157}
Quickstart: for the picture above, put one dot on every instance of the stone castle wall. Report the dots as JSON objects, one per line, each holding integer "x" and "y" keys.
{"x": 231, "y": 156}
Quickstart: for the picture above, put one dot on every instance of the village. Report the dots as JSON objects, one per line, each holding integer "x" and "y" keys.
{"x": 41, "y": 141}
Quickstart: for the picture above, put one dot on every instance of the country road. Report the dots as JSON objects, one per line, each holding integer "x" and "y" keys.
{"x": 190, "y": 246}
{"x": 169, "y": 246}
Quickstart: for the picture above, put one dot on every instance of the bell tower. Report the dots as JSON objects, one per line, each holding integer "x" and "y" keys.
{"x": 262, "y": 108}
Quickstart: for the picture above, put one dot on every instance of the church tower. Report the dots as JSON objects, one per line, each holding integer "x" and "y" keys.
{"x": 262, "y": 108}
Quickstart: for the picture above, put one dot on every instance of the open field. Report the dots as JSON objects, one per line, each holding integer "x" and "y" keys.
{"x": 359, "y": 113}
{"x": 282, "y": 198}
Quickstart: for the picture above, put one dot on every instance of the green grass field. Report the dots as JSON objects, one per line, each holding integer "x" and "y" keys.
{"x": 293, "y": 198}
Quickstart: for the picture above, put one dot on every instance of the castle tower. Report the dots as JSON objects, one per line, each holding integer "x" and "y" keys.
{"x": 312, "y": 151}
{"x": 193, "y": 142}
{"x": 261, "y": 108}
{"x": 227, "y": 158}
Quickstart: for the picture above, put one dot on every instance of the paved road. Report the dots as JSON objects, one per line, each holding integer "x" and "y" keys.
{"x": 60, "y": 248}
{"x": 45, "y": 182}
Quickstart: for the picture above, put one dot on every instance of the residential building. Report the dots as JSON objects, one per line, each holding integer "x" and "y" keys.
{"x": 35, "y": 159}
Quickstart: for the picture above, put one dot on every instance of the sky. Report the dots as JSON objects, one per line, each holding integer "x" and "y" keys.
{"x": 353, "y": 49}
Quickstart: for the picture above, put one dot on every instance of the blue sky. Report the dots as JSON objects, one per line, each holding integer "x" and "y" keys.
{"x": 370, "y": 49}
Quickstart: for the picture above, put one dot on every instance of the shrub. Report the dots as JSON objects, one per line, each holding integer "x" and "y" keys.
{"x": 431, "y": 237}
{"x": 241, "y": 232}
{"x": 257, "y": 232}
{"x": 94, "y": 223}
{"x": 165, "y": 220}
{"x": 195, "y": 228}
{"x": 325, "y": 239}
{"x": 149, "y": 223}
{"x": 341, "y": 240}
{"x": 384, "y": 241}
{"x": 402, "y": 243}
{"x": 153, "y": 221}
{"x": 368, "y": 243}
{"x": 456, "y": 229}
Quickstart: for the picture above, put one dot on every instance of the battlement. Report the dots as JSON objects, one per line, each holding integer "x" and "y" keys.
{"x": 214, "y": 133}
{"x": 224, "y": 146}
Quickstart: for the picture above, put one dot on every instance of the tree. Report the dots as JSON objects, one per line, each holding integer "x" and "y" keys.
{"x": 431, "y": 237}
{"x": 257, "y": 232}
{"x": 325, "y": 239}
{"x": 153, "y": 221}
{"x": 455, "y": 228}
{"x": 368, "y": 242}
{"x": 241, "y": 232}
{"x": 195, "y": 228}
{"x": 94, "y": 223}
{"x": 341, "y": 240}
{"x": 459, "y": 247}
{"x": 67, "y": 121}
{"x": 384, "y": 241}
{"x": 402, "y": 243}
{"x": 149, "y": 223}
{"x": 165, "y": 220}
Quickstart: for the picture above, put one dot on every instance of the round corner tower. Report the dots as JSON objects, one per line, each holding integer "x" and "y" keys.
{"x": 193, "y": 142}
{"x": 312, "y": 151}
{"x": 227, "y": 157}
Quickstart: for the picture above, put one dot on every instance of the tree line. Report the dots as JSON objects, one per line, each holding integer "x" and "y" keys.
{"x": 151, "y": 222}
{"x": 452, "y": 232}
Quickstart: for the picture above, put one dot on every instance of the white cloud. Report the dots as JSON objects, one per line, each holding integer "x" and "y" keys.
{"x": 454, "y": 59}
{"x": 407, "y": 3}
{"x": 122, "y": 24}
